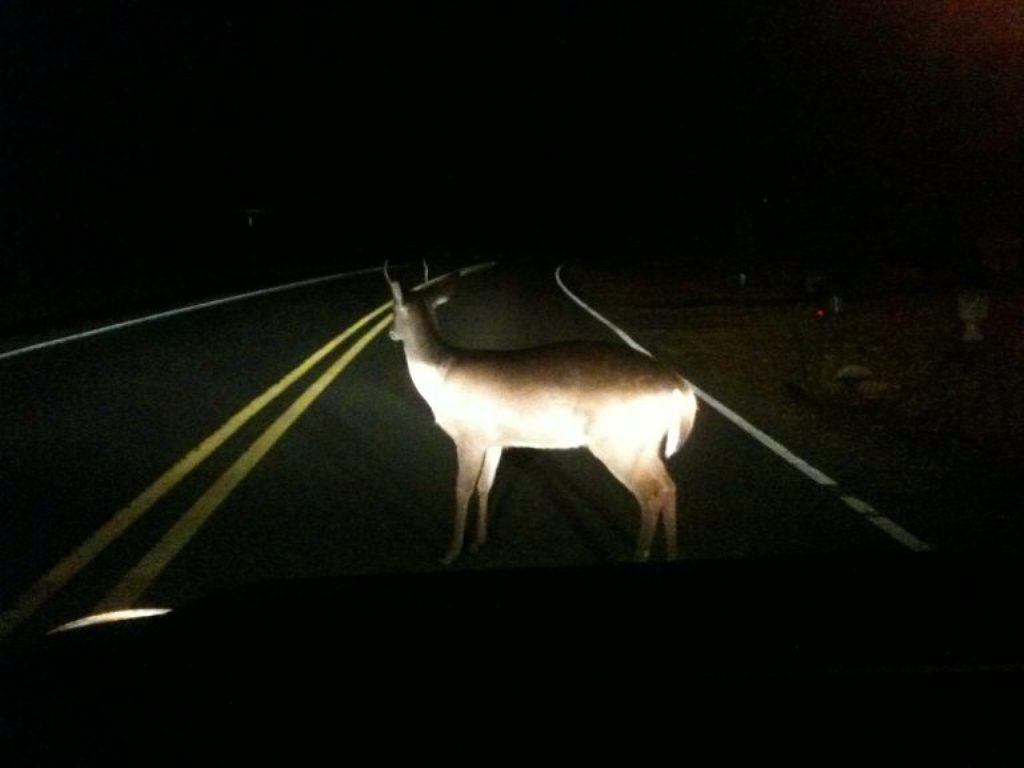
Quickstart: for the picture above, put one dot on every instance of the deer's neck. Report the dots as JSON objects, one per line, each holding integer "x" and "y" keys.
{"x": 428, "y": 357}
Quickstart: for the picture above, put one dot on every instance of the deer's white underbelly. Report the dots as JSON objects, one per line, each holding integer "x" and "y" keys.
{"x": 497, "y": 418}
{"x": 498, "y": 424}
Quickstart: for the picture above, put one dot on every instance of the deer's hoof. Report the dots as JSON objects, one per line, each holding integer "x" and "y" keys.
{"x": 450, "y": 558}
{"x": 642, "y": 555}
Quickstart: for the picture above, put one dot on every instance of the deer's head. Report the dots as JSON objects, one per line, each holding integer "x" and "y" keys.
{"x": 414, "y": 309}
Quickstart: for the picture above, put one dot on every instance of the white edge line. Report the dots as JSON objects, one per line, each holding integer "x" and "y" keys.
{"x": 884, "y": 523}
{"x": 214, "y": 303}
{"x": 180, "y": 311}
{"x": 590, "y": 310}
{"x": 462, "y": 272}
{"x": 903, "y": 536}
{"x": 769, "y": 442}
{"x": 815, "y": 474}
{"x": 860, "y": 506}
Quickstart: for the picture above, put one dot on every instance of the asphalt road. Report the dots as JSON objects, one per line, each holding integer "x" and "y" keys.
{"x": 361, "y": 481}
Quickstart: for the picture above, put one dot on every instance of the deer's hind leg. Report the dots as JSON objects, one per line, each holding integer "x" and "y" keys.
{"x": 643, "y": 473}
{"x": 667, "y": 500}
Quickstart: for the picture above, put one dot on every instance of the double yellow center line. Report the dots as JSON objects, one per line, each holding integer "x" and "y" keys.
{"x": 142, "y": 575}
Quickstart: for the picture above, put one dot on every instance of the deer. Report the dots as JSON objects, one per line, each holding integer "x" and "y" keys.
{"x": 626, "y": 408}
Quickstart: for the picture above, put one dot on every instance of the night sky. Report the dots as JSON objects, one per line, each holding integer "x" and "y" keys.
{"x": 132, "y": 133}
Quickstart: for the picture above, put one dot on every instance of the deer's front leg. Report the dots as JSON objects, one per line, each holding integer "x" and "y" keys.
{"x": 471, "y": 459}
{"x": 483, "y": 490}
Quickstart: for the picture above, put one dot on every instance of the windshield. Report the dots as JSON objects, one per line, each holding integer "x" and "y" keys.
{"x": 760, "y": 261}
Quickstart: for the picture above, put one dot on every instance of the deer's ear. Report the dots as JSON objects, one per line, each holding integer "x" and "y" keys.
{"x": 396, "y": 289}
{"x": 396, "y": 292}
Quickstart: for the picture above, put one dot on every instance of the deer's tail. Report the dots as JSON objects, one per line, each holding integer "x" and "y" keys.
{"x": 681, "y": 417}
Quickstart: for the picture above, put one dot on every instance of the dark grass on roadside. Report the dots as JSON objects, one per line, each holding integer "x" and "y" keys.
{"x": 884, "y": 395}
